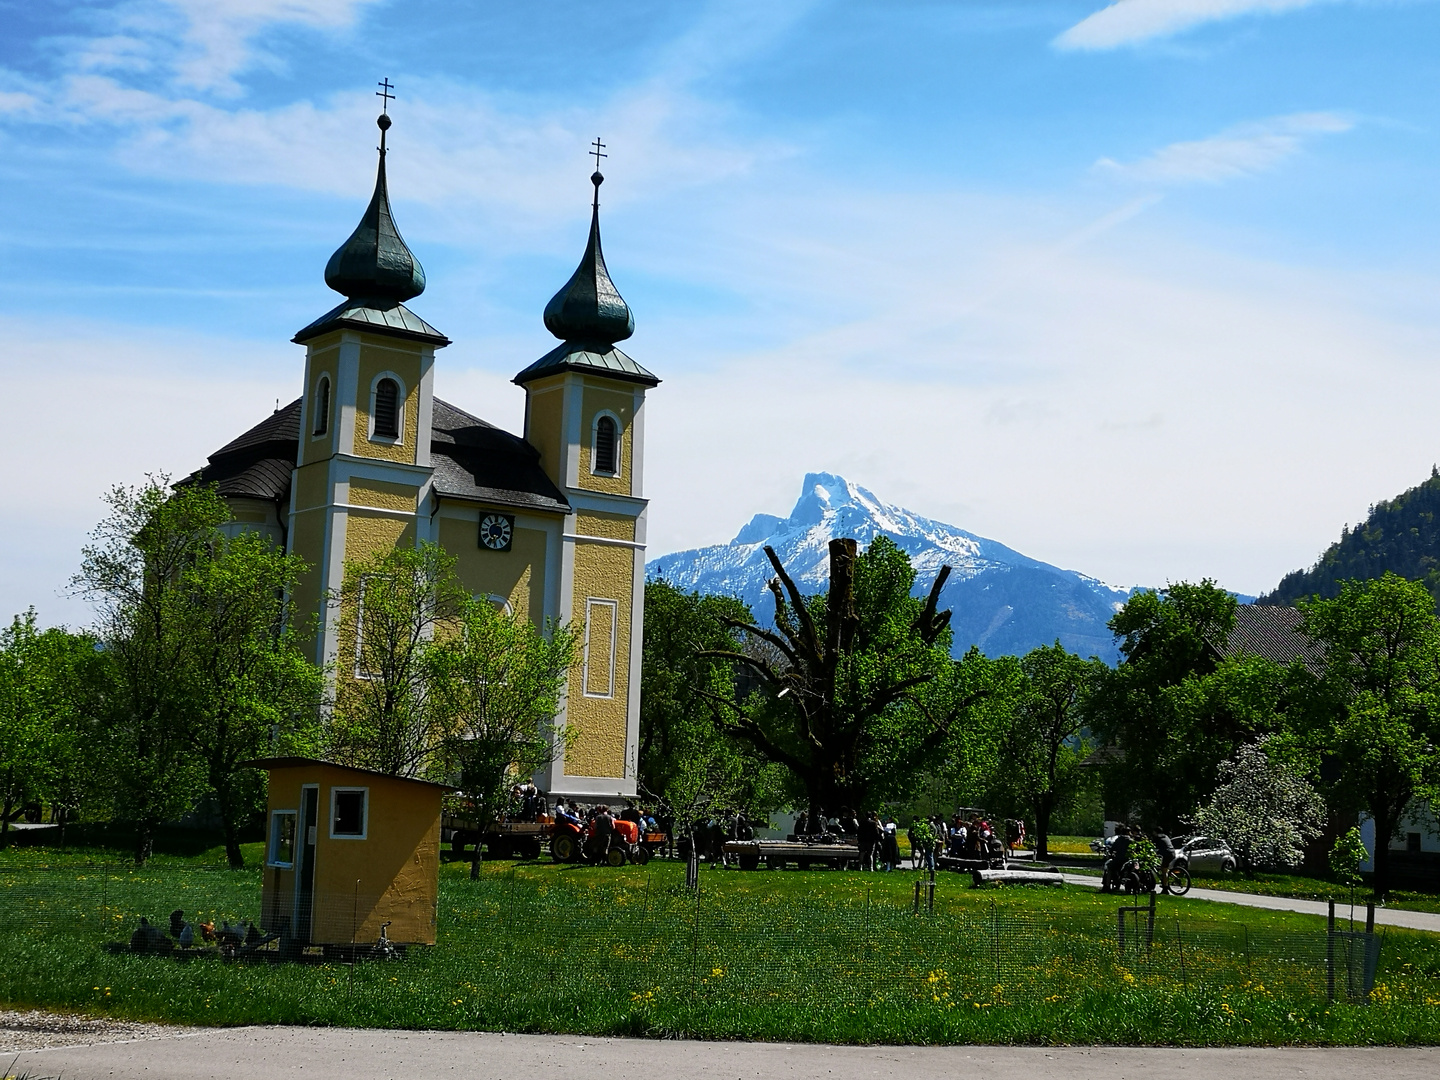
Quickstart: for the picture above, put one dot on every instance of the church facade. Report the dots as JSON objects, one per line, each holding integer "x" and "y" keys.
{"x": 549, "y": 524}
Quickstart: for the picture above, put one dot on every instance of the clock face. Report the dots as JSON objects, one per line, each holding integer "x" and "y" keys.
{"x": 496, "y": 531}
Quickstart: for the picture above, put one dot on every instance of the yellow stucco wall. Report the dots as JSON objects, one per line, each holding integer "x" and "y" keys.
{"x": 610, "y": 526}
{"x": 382, "y": 494}
{"x": 405, "y": 363}
{"x": 392, "y": 875}
{"x": 311, "y": 487}
{"x": 544, "y": 424}
{"x": 517, "y": 574}
{"x": 622, "y": 404}
{"x": 604, "y": 573}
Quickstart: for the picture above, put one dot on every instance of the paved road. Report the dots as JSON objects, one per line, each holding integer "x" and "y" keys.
{"x": 1412, "y": 920}
{"x": 345, "y": 1054}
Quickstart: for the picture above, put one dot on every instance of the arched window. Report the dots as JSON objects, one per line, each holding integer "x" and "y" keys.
{"x": 387, "y": 409}
{"x": 322, "y": 406}
{"x": 605, "y": 445}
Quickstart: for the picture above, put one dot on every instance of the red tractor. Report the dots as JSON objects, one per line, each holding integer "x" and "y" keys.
{"x": 571, "y": 843}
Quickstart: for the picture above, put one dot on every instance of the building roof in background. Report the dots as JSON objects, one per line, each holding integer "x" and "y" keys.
{"x": 1273, "y": 633}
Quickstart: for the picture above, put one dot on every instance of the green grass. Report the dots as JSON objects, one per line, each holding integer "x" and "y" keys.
{"x": 824, "y": 956}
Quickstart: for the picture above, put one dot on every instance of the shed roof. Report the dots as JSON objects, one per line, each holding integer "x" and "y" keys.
{"x": 1273, "y": 633}
{"x": 305, "y": 762}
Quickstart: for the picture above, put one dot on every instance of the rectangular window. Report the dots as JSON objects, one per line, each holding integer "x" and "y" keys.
{"x": 282, "y": 839}
{"x": 600, "y": 620}
{"x": 349, "y": 809}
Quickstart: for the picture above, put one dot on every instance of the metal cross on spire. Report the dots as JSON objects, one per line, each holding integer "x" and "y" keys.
{"x": 596, "y": 153}
{"x": 384, "y": 94}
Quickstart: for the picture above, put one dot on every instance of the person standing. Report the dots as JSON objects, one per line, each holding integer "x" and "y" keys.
{"x": 868, "y": 836}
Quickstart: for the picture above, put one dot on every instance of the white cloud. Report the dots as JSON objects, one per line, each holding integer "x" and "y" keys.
{"x": 1240, "y": 151}
{"x": 1130, "y": 22}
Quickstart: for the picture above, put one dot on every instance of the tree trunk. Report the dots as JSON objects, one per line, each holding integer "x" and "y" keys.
{"x": 144, "y": 841}
{"x": 1380, "y": 860}
{"x": 476, "y": 857}
{"x": 1042, "y": 827}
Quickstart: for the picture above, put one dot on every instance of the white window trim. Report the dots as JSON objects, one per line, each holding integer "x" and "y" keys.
{"x": 502, "y": 604}
{"x": 323, "y": 380}
{"x": 364, "y": 817}
{"x": 614, "y": 606}
{"x": 295, "y": 840}
{"x": 404, "y": 396}
{"x": 619, "y": 445}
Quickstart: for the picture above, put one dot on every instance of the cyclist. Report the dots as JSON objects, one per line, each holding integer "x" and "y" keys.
{"x": 1165, "y": 848}
{"x": 1119, "y": 859}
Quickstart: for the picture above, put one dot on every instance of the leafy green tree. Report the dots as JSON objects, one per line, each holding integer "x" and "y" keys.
{"x": 493, "y": 686}
{"x": 686, "y": 759}
{"x": 398, "y": 598}
{"x": 134, "y": 572}
{"x": 252, "y": 689}
{"x": 1039, "y": 749}
{"x": 858, "y": 693}
{"x": 44, "y": 717}
{"x": 203, "y": 658}
{"x": 1377, "y": 708}
{"x": 1176, "y": 707}
{"x": 1264, "y": 808}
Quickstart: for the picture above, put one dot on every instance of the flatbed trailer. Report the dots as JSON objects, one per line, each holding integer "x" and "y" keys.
{"x": 835, "y": 852}
{"x": 503, "y": 839}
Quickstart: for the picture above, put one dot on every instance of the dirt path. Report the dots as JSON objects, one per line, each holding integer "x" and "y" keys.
{"x": 346, "y": 1054}
{"x": 36, "y": 1030}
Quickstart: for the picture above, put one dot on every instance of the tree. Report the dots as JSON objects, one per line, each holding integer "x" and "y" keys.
{"x": 47, "y": 709}
{"x": 1039, "y": 756}
{"x": 392, "y": 603}
{"x": 686, "y": 759}
{"x": 1377, "y": 706}
{"x": 251, "y": 687}
{"x": 1176, "y": 707}
{"x": 204, "y": 660}
{"x": 1264, "y": 809}
{"x": 494, "y": 683}
{"x": 134, "y": 571}
{"x": 859, "y": 693}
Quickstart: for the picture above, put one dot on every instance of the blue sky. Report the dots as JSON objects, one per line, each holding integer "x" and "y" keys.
{"x": 1148, "y": 289}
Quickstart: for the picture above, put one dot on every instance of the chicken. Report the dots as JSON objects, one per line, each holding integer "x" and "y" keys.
{"x": 207, "y": 931}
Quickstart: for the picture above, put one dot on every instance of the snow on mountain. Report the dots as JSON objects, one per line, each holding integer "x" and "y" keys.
{"x": 1001, "y": 600}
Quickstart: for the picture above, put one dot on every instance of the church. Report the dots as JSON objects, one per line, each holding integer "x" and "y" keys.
{"x": 549, "y": 524}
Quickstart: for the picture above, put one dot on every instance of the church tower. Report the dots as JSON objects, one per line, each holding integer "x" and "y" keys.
{"x": 585, "y": 414}
{"x": 363, "y": 465}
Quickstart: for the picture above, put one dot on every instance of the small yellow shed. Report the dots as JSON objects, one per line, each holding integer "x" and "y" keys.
{"x": 348, "y": 850}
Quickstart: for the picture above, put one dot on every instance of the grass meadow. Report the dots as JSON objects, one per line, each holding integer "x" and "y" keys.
{"x": 821, "y": 955}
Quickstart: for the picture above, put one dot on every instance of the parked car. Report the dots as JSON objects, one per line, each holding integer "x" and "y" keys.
{"x": 1206, "y": 855}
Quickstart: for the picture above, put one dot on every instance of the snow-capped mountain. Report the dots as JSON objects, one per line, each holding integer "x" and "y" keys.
{"x": 1002, "y": 601}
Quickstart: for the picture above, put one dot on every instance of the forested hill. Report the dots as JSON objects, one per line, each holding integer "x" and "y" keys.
{"x": 1401, "y": 534}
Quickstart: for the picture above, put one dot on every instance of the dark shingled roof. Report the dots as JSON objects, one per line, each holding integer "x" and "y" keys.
{"x": 1274, "y": 633}
{"x": 257, "y": 465}
{"x": 472, "y": 459}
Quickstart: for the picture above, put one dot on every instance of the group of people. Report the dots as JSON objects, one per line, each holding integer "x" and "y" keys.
{"x": 598, "y": 821}
{"x": 1121, "y": 857}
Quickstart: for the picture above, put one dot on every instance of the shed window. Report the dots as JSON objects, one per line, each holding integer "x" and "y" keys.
{"x": 282, "y": 838}
{"x": 347, "y": 813}
{"x": 387, "y": 409}
{"x": 605, "y": 445}
{"x": 322, "y": 407}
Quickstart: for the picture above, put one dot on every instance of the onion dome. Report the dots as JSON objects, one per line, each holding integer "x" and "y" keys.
{"x": 589, "y": 308}
{"x": 374, "y": 264}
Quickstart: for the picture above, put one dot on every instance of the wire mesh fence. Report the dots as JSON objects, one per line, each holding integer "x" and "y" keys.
{"x": 650, "y": 940}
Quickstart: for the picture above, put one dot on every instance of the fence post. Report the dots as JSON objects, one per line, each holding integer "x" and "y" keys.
{"x": 916, "y": 910}
{"x": 995, "y": 934}
{"x": 1180, "y": 941}
{"x": 1150, "y": 924}
{"x": 1330, "y": 954}
{"x": 1370, "y": 917}
{"x": 1246, "y": 929}
{"x": 104, "y": 908}
{"x": 1120, "y": 918}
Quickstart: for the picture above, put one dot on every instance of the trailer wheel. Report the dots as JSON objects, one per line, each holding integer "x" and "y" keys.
{"x": 774, "y": 863}
{"x": 563, "y": 848}
{"x": 750, "y": 860}
{"x": 641, "y": 856}
{"x": 615, "y": 857}
{"x": 803, "y": 864}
